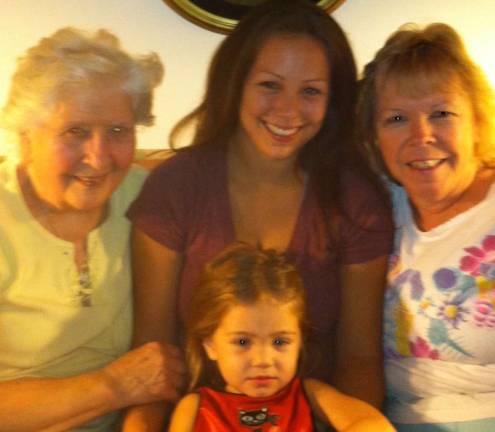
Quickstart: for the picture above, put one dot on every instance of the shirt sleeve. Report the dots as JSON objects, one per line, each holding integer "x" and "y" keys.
{"x": 367, "y": 228}
{"x": 163, "y": 208}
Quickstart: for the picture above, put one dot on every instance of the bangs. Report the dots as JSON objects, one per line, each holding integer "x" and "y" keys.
{"x": 424, "y": 70}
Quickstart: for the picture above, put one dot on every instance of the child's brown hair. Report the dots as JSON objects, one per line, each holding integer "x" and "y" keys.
{"x": 240, "y": 274}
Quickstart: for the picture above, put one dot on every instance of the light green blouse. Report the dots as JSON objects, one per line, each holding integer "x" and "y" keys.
{"x": 44, "y": 329}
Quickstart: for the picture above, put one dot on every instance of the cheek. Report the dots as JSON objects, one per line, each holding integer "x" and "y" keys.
{"x": 254, "y": 104}
{"x": 388, "y": 146}
{"x": 123, "y": 157}
{"x": 58, "y": 159}
{"x": 315, "y": 112}
{"x": 229, "y": 363}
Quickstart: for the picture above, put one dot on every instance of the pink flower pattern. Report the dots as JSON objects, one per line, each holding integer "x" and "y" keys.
{"x": 472, "y": 263}
{"x": 484, "y": 313}
{"x": 421, "y": 349}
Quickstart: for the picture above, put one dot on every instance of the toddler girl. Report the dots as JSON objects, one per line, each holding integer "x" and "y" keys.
{"x": 245, "y": 335}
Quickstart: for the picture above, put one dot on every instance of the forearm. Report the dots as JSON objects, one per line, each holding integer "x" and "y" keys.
{"x": 343, "y": 412}
{"x": 54, "y": 404}
{"x": 150, "y": 417}
{"x": 362, "y": 379}
{"x": 156, "y": 270}
{"x": 375, "y": 424}
{"x": 358, "y": 361}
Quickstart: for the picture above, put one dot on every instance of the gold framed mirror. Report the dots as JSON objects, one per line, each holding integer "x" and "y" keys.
{"x": 222, "y": 15}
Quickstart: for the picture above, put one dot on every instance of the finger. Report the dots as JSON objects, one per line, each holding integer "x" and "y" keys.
{"x": 172, "y": 395}
{"x": 177, "y": 380}
{"x": 174, "y": 352}
{"x": 176, "y": 367}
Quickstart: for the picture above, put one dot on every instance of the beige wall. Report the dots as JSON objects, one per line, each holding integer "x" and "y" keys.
{"x": 145, "y": 25}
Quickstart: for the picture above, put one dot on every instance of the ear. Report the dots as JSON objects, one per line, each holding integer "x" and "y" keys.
{"x": 25, "y": 151}
{"x": 209, "y": 347}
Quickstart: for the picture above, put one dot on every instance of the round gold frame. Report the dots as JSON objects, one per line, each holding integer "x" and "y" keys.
{"x": 214, "y": 18}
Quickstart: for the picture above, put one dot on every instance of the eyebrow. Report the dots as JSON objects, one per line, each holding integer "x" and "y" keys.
{"x": 278, "y": 333}
{"x": 282, "y": 78}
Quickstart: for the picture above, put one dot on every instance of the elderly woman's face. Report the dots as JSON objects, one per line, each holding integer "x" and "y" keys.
{"x": 428, "y": 142}
{"x": 79, "y": 156}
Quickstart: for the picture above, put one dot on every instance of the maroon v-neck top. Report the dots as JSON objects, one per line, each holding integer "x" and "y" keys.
{"x": 184, "y": 205}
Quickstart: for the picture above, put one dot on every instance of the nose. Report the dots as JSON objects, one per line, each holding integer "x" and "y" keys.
{"x": 422, "y": 131}
{"x": 97, "y": 151}
{"x": 261, "y": 356}
{"x": 286, "y": 104}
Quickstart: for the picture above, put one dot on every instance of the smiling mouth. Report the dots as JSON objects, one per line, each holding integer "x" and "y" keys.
{"x": 426, "y": 164}
{"x": 90, "y": 181}
{"x": 282, "y": 132}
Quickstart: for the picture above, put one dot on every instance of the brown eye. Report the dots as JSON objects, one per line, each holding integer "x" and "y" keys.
{"x": 269, "y": 85}
{"x": 78, "y": 132}
{"x": 395, "y": 119}
{"x": 442, "y": 114}
{"x": 279, "y": 342}
{"x": 312, "y": 91}
{"x": 242, "y": 342}
{"x": 120, "y": 132}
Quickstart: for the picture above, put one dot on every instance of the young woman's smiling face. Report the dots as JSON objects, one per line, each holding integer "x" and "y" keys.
{"x": 428, "y": 142}
{"x": 256, "y": 347}
{"x": 285, "y": 96}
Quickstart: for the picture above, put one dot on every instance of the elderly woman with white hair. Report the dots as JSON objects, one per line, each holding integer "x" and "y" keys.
{"x": 65, "y": 280}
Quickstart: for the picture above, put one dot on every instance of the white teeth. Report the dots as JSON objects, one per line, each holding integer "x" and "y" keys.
{"x": 280, "y": 131}
{"x": 425, "y": 164}
{"x": 89, "y": 181}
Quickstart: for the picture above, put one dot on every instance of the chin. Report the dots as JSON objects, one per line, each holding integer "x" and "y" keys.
{"x": 89, "y": 204}
{"x": 261, "y": 394}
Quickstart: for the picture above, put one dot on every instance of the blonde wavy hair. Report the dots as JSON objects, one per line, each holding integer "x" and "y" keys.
{"x": 420, "y": 61}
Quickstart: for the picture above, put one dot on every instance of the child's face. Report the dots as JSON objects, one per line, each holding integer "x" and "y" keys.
{"x": 257, "y": 347}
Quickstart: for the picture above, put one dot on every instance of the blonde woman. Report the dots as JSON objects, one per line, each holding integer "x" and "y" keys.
{"x": 428, "y": 111}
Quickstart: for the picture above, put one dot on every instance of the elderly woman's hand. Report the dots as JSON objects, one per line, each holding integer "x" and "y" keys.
{"x": 152, "y": 372}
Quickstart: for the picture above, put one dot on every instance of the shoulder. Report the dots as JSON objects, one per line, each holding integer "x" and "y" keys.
{"x": 130, "y": 187}
{"x": 135, "y": 177}
{"x": 189, "y": 161}
{"x": 190, "y": 401}
{"x": 187, "y": 174}
{"x": 356, "y": 185}
{"x": 184, "y": 415}
{"x": 313, "y": 387}
{"x": 365, "y": 201}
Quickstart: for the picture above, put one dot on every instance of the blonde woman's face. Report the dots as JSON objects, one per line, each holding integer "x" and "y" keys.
{"x": 428, "y": 142}
{"x": 256, "y": 347}
{"x": 82, "y": 152}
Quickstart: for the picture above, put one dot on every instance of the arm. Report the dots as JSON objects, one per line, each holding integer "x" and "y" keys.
{"x": 53, "y": 404}
{"x": 45, "y": 404}
{"x": 155, "y": 274}
{"x": 343, "y": 412}
{"x": 184, "y": 415}
{"x": 358, "y": 367}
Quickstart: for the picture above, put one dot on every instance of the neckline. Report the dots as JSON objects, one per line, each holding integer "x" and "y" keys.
{"x": 282, "y": 393}
{"x": 455, "y": 220}
{"x": 39, "y": 227}
{"x": 228, "y": 208}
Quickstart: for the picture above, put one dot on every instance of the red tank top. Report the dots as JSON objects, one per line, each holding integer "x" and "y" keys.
{"x": 286, "y": 411}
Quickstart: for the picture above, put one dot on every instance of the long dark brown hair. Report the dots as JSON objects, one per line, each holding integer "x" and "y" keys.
{"x": 334, "y": 148}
